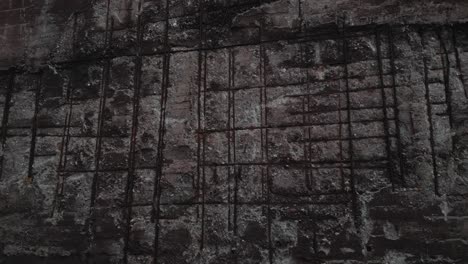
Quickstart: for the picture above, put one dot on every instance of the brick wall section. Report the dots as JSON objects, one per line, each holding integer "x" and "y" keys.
{"x": 13, "y": 27}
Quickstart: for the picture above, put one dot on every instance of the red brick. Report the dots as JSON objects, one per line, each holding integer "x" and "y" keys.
{"x": 16, "y": 4}
{"x": 4, "y": 5}
{"x": 11, "y": 17}
{"x": 13, "y": 32}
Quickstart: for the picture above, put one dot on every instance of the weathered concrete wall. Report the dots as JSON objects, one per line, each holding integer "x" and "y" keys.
{"x": 234, "y": 131}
